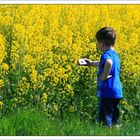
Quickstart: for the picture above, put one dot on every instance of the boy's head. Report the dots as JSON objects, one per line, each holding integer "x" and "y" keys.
{"x": 106, "y": 36}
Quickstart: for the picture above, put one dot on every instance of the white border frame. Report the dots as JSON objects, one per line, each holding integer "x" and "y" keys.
{"x": 69, "y": 1}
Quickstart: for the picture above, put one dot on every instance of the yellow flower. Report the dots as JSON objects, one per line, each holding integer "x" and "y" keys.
{"x": 1, "y": 105}
{"x": 71, "y": 109}
{"x": 24, "y": 79}
{"x": 33, "y": 76}
{"x": 44, "y": 97}
{"x": 5, "y": 66}
{"x": 1, "y": 83}
{"x": 68, "y": 88}
{"x": 43, "y": 46}
{"x": 54, "y": 107}
{"x": 2, "y": 48}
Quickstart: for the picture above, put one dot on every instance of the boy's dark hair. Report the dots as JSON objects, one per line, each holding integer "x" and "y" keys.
{"x": 107, "y": 35}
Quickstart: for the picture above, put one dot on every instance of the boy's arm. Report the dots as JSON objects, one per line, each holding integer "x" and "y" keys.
{"x": 95, "y": 63}
{"x": 107, "y": 69}
{"x": 92, "y": 63}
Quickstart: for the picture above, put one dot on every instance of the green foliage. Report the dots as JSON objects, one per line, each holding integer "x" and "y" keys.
{"x": 35, "y": 123}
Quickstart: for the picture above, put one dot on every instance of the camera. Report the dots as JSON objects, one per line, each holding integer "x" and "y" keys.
{"x": 82, "y": 62}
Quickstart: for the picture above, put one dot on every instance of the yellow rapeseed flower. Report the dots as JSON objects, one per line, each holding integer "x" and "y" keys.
{"x": 48, "y": 40}
{"x": 71, "y": 109}
{"x": 1, "y": 105}
{"x": 1, "y": 83}
{"x": 5, "y": 67}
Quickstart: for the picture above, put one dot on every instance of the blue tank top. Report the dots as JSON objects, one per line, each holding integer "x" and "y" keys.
{"x": 110, "y": 88}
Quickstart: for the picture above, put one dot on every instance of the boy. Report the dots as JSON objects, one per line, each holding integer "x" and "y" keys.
{"x": 109, "y": 89}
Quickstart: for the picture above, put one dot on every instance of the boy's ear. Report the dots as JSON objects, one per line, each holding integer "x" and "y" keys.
{"x": 103, "y": 43}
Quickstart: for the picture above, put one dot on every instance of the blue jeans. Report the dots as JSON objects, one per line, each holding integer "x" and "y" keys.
{"x": 108, "y": 111}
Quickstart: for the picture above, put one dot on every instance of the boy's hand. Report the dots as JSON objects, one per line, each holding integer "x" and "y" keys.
{"x": 89, "y": 62}
{"x": 102, "y": 78}
{"x": 83, "y": 62}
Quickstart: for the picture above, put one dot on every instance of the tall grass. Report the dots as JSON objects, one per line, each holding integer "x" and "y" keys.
{"x": 29, "y": 123}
